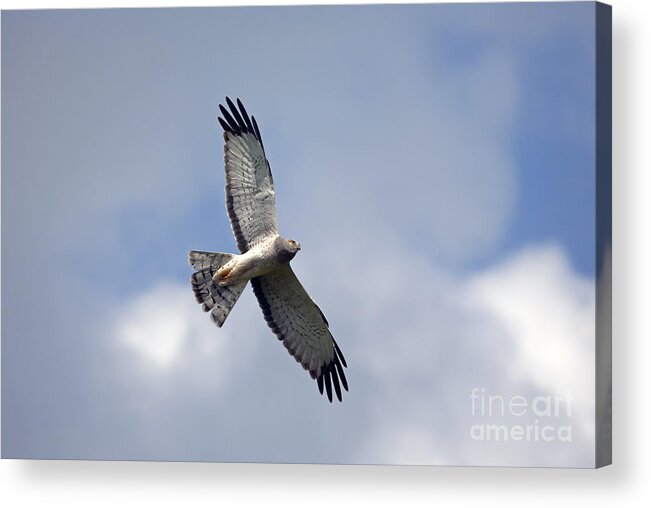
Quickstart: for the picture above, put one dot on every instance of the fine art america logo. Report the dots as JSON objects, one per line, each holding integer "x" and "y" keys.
{"x": 543, "y": 418}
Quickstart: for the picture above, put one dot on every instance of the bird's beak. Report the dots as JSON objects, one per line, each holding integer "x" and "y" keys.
{"x": 298, "y": 246}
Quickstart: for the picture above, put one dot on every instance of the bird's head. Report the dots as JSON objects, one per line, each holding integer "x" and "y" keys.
{"x": 293, "y": 246}
{"x": 287, "y": 249}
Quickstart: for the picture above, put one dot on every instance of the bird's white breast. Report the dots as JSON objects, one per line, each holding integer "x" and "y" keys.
{"x": 260, "y": 259}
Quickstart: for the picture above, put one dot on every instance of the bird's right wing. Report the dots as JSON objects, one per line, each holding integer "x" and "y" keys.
{"x": 297, "y": 320}
{"x": 250, "y": 196}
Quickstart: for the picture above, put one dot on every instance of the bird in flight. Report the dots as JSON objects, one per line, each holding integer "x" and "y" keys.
{"x": 220, "y": 278}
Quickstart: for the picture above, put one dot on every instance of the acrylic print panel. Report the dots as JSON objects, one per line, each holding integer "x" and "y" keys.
{"x": 438, "y": 165}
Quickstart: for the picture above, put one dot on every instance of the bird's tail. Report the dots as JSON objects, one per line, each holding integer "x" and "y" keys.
{"x": 216, "y": 299}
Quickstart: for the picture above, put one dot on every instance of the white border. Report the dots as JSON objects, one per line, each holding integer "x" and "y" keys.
{"x": 71, "y": 484}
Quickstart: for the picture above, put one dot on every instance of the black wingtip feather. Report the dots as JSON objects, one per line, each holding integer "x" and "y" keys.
{"x": 328, "y": 384}
{"x": 339, "y": 353}
{"x": 236, "y": 115}
{"x": 245, "y": 115}
{"x": 335, "y": 380}
{"x": 257, "y": 131}
{"x": 232, "y": 124}
{"x": 238, "y": 121}
{"x": 342, "y": 375}
{"x": 224, "y": 125}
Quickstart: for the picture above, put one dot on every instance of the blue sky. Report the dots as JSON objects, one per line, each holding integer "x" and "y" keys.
{"x": 430, "y": 156}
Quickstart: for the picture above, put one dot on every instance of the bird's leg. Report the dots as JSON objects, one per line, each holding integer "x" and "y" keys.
{"x": 222, "y": 275}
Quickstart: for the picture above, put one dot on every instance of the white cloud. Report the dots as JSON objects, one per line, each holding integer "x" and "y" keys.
{"x": 524, "y": 326}
{"x": 159, "y": 324}
{"x": 548, "y": 311}
{"x": 169, "y": 337}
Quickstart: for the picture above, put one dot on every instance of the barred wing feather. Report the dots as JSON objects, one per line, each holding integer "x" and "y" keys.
{"x": 250, "y": 196}
{"x": 299, "y": 323}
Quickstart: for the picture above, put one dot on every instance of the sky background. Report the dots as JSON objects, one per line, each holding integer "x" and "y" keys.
{"x": 436, "y": 162}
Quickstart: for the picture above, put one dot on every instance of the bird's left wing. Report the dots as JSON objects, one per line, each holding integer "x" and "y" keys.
{"x": 250, "y": 196}
{"x": 297, "y": 320}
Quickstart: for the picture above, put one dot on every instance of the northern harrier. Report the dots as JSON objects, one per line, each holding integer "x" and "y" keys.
{"x": 264, "y": 259}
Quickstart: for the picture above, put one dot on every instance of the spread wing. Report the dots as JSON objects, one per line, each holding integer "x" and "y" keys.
{"x": 250, "y": 197}
{"x": 297, "y": 320}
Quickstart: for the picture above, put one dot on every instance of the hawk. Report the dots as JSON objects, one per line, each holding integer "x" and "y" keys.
{"x": 264, "y": 259}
